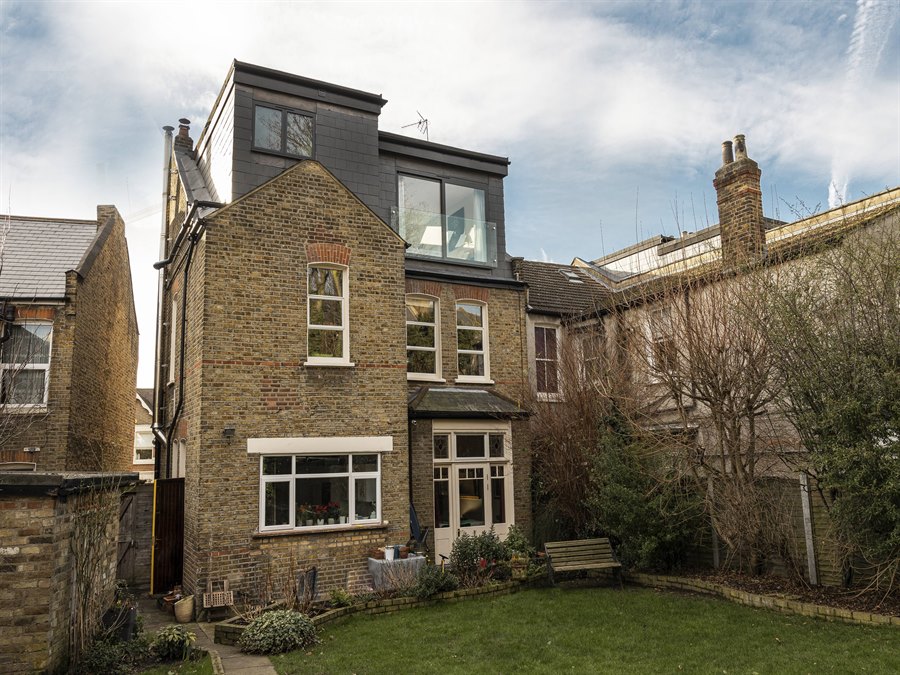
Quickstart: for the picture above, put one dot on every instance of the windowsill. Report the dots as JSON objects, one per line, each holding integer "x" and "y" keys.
{"x": 24, "y": 408}
{"x": 472, "y": 379}
{"x": 549, "y": 398}
{"x": 143, "y": 461}
{"x": 424, "y": 377}
{"x": 328, "y": 363}
{"x": 320, "y": 529}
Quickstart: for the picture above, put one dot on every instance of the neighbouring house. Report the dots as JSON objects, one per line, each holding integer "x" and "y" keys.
{"x": 341, "y": 337}
{"x": 630, "y": 310}
{"x": 144, "y": 456}
{"x": 68, "y": 344}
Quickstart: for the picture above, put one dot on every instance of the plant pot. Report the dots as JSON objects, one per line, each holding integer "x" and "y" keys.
{"x": 320, "y": 521}
{"x": 343, "y": 520}
{"x": 331, "y": 521}
{"x": 310, "y": 522}
{"x": 184, "y": 609}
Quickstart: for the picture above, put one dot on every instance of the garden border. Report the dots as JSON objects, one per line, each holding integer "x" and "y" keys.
{"x": 779, "y": 604}
{"x": 229, "y": 631}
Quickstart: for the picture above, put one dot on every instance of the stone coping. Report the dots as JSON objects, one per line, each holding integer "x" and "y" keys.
{"x": 779, "y": 604}
{"x": 62, "y": 483}
{"x": 229, "y": 631}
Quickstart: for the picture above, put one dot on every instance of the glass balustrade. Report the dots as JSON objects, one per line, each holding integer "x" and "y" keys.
{"x": 449, "y": 238}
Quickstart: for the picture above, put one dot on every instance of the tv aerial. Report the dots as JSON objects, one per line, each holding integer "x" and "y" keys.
{"x": 421, "y": 125}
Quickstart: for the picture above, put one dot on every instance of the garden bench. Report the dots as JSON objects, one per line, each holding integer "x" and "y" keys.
{"x": 583, "y": 554}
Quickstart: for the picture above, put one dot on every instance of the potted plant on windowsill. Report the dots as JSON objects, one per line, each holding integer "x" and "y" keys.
{"x": 334, "y": 512}
{"x": 321, "y": 512}
{"x": 307, "y": 515}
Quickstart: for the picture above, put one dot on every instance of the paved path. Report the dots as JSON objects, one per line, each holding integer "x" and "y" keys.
{"x": 226, "y": 659}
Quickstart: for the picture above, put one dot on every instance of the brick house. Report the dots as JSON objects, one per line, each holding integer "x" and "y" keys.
{"x": 69, "y": 344}
{"x": 623, "y": 311}
{"x": 144, "y": 457}
{"x": 340, "y": 336}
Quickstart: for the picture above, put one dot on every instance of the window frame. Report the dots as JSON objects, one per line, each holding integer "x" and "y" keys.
{"x": 661, "y": 341}
{"x": 291, "y": 479}
{"x": 285, "y": 110}
{"x": 344, "y": 359}
{"x": 443, "y": 182}
{"x": 143, "y": 429}
{"x": 437, "y": 375}
{"x": 548, "y": 395}
{"x": 28, "y": 407}
{"x": 485, "y": 377}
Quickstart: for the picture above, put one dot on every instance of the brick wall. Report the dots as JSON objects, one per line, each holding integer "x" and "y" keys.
{"x": 104, "y": 359}
{"x": 246, "y": 338}
{"x": 739, "y": 199}
{"x": 89, "y": 419}
{"x": 36, "y": 569}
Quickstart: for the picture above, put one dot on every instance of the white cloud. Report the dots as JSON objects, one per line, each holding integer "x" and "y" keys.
{"x": 590, "y": 101}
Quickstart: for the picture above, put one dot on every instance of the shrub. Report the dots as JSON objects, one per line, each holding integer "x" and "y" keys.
{"x": 111, "y": 656}
{"x": 474, "y": 558}
{"x": 432, "y": 580}
{"x": 278, "y": 631}
{"x": 173, "y": 643}
{"x": 340, "y": 598}
{"x": 517, "y": 543}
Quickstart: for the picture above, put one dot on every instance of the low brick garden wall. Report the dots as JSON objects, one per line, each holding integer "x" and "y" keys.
{"x": 776, "y": 603}
{"x": 229, "y": 632}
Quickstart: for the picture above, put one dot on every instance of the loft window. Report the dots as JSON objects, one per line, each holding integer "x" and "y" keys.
{"x": 571, "y": 277}
{"x": 282, "y": 131}
{"x": 25, "y": 364}
{"x": 445, "y": 220}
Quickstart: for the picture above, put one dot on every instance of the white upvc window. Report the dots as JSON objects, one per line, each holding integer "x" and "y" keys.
{"x": 327, "y": 305}
{"x": 25, "y": 364}
{"x": 473, "y": 355}
{"x": 423, "y": 338}
{"x": 143, "y": 444}
{"x": 546, "y": 361}
{"x": 299, "y": 492}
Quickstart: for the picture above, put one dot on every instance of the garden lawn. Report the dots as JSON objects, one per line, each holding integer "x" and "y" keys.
{"x": 200, "y": 667}
{"x": 596, "y": 630}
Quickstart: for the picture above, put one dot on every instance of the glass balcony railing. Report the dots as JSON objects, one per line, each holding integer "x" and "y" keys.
{"x": 449, "y": 238}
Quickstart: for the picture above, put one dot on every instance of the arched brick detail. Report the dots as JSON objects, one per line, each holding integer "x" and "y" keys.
{"x": 422, "y": 287}
{"x": 328, "y": 253}
{"x": 471, "y": 293}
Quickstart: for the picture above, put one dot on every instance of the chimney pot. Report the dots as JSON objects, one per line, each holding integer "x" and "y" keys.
{"x": 184, "y": 127}
{"x": 740, "y": 147}
{"x": 727, "y": 155}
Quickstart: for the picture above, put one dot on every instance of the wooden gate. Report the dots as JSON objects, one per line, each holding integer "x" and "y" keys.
{"x": 168, "y": 535}
{"x": 125, "y": 542}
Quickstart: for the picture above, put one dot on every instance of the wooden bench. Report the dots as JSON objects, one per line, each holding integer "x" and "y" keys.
{"x": 584, "y": 554}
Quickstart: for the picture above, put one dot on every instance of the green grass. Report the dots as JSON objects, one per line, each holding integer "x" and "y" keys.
{"x": 200, "y": 667}
{"x": 596, "y": 630}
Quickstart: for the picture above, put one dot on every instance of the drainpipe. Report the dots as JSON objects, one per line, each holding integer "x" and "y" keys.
{"x": 157, "y": 379}
{"x": 192, "y": 229}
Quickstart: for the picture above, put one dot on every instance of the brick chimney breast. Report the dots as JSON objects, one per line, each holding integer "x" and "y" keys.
{"x": 739, "y": 199}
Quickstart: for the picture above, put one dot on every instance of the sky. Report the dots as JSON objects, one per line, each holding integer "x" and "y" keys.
{"x": 612, "y": 113}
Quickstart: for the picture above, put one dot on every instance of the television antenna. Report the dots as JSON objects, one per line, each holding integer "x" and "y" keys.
{"x": 421, "y": 125}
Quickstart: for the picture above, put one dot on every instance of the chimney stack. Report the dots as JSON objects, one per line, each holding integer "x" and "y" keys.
{"x": 183, "y": 139}
{"x": 739, "y": 199}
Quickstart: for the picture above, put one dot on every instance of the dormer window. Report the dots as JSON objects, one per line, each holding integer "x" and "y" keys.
{"x": 571, "y": 277}
{"x": 445, "y": 220}
{"x": 282, "y": 131}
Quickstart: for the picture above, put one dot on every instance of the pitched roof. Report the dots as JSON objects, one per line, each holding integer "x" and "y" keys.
{"x": 146, "y": 398}
{"x": 562, "y": 290}
{"x": 37, "y": 253}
